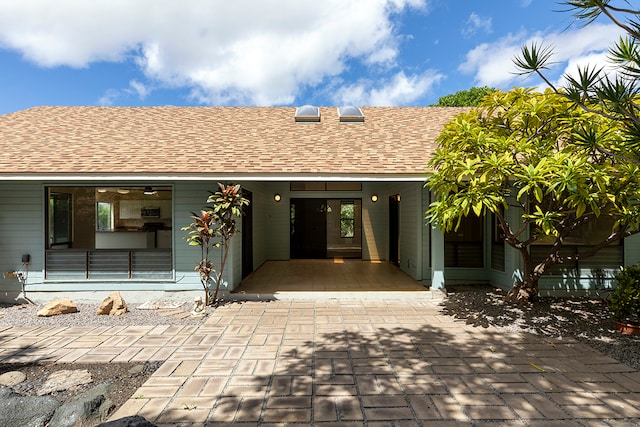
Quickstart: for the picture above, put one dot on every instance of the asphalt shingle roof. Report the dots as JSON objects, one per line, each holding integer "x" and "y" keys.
{"x": 214, "y": 140}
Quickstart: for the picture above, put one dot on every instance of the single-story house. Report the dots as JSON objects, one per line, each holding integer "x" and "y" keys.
{"x": 93, "y": 199}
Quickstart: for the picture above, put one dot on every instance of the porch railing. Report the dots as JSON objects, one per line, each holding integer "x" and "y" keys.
{"x": 108, "y": 264}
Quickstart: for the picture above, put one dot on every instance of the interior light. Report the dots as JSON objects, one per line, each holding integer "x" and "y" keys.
{"x": 102, "y": 190}
{"x": 123, "y": 191}
{"x": 374, "y": 198}
{"x": 277, "y": 197}
{"x": 148, "y": 191}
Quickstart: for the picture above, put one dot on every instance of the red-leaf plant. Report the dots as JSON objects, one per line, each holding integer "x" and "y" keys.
{"x": 213, "y": 228}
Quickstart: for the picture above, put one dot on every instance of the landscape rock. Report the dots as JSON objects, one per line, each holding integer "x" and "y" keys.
{"x": 113, "y": 305}
{"x": 134, "y": 421}
{"x": 27, "y": 411}
{"x": 6, "y": 391}
{"x": 64, "y": 380}
{"x": 12, "y": 378}
{"x": 57, "y": 307}
{"x": 86, "y": 410}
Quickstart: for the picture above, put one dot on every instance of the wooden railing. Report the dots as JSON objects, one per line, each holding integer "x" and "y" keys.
{"x": 108, "y": 264}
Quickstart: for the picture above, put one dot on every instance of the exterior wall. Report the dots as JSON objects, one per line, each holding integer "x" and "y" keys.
{"x": 276, "y": 221}
{"x": 22, "y": 229}
{"x": 411, "y": 228}
{"x": 375, "y": 223}
{"x": 561, "y": 281}
{"x": 21, "y": 232}
{"x": 632, "y": 250}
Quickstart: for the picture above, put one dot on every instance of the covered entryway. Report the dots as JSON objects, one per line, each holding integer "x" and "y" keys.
{"x": 326, "y": 228}
{"x": 337, "y": 278}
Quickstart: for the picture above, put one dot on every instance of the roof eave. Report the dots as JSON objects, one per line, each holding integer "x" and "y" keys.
{"x": 116, "y": 177}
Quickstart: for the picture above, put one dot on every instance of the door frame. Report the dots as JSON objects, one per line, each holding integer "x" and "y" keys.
{"x": 247, "y": 235}
{"x": 394, "y": 229}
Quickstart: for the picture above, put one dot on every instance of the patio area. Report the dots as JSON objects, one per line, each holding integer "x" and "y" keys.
{"x": 347, "y": 363}
{"x": 330, "y": 278}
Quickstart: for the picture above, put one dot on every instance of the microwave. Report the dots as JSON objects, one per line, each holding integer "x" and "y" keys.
{"x": 150, "y": 212}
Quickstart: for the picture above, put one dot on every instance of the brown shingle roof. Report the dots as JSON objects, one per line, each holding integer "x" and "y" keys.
{"x": 217, "y": 140}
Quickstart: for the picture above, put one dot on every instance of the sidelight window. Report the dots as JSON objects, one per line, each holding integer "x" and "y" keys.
{"x": 347, "y": 219}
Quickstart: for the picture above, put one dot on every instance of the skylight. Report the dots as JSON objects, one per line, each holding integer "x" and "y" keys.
{"x": 308, "y": 113}
{"x": 350, "y": 113}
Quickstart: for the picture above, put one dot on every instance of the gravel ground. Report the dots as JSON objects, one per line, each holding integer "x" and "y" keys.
{"x": 26, "y": 315}
{"x": 126, "y": 377}
{"x": 585, "y": 319}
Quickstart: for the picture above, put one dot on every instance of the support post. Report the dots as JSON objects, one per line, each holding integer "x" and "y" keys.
{"x": 437, "y": 260}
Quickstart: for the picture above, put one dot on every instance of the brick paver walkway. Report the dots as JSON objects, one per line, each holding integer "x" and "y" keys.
{"x": 348, "y": 363}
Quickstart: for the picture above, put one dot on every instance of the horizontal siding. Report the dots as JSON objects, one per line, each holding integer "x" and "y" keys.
{"x": 188, "y": 197}
{"x": 21, "y": 225}
{"x": 595, "y": 272}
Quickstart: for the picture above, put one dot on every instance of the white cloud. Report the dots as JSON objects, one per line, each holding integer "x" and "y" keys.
{"x": 243, "y": 51}
{"x": 492, "y": 63}
{"x": 140, "y": 89}
{"x": 477, "y": 23}
{"x": 400, "y": 89}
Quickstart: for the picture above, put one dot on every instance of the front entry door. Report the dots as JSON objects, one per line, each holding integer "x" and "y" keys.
{"x": 308, "y": 228}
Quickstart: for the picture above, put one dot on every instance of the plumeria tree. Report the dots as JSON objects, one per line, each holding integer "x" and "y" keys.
{"x": 214, "y": 227}
{"x": 534, "y": 152}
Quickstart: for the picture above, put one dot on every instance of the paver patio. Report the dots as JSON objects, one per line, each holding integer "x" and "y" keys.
{"x": 348, "y": 362}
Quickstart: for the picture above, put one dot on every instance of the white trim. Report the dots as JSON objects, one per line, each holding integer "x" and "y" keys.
{"x": 224, "y": 177}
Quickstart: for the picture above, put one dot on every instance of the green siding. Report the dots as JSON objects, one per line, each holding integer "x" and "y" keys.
{"x": 21, "y": 227}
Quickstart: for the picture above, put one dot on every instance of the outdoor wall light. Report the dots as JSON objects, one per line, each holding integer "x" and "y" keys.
{"x": 374, "y": 198}
{"x": 277, "y": 197}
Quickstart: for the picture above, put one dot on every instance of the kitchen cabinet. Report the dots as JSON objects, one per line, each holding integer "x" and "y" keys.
{"x": 131, "y": 209}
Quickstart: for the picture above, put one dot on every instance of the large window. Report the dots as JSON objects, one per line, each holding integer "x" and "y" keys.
{"x": 109, "y": 233}
{"x": 465, "y": 247}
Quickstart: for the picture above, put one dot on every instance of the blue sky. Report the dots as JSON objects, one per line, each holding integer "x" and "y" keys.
{"x": 276, "y": 52}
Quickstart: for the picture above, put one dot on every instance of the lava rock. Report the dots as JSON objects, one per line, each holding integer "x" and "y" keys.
{"x": 87, "y": 409}
{"x": 26, "y": 411}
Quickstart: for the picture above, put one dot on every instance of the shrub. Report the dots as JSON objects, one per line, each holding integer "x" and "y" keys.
{"x": 625, "y": 299}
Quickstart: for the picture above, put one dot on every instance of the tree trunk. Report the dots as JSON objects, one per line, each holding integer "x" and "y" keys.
{"x": 525, "y": 291}
{"x": 522, "y": 293}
